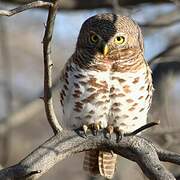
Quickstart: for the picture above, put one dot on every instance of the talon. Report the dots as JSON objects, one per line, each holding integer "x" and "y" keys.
{"x": 85, "y": 128}
{"x": 93, "y": 129}
{"x": 96, "y": 127}
{"x": 110, "y": 130}
{"x": 119, "y": 137}
{"x": 119, "y": 134}
{"x": 100, "y": 125}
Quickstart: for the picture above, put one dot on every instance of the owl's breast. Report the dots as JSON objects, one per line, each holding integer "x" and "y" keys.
{"x": 87, "y": 99}
{"x": 106, "y": 97}
{"x": 130, "y": 97}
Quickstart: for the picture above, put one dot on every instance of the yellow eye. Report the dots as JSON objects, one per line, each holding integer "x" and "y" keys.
{"x": 94, "y": 38}
{"x": 119, "y": 39}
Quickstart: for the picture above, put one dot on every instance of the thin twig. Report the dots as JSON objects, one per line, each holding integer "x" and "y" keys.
{"x": 25, "y": 7}
{"x": 67, "y": 143}
{"x": 48, "y": 69}
{"x": 142, "y": 128}
{"x": 47, "y": 59}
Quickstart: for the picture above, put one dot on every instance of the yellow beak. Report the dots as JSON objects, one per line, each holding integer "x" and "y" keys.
{"x": 105, "y": 49}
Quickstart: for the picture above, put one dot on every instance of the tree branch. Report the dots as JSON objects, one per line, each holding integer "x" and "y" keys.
{"x": 25, "y": 7}
{"x": 47, "y": 58}
{"x": 67, "y": 143}
{"x": 48, "y": 69}
{"x": 93, "y": 4}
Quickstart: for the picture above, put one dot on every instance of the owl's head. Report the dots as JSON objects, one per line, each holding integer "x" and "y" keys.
{"x": 107, "y": 34}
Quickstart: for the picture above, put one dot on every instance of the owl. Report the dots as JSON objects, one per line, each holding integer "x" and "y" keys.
{"x": 106, "y": 84}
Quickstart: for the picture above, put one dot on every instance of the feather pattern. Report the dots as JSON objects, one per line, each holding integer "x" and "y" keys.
{"x": 90, "y": 163}
{"x": 111, "y": 90}
{"x": 107, "y": 164}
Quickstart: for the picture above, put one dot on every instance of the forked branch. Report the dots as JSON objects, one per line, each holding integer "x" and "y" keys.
{"x": 47, "y": 58}
{"x": 48, "y": 69}
{"x": 67, "y": 143}
{"x": 25, "y": 7}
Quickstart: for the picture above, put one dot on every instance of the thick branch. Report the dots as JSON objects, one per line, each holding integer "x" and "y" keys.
{"x": 67, "y": 143}
{"x": 48, "y": 69}
{"x": 168, "y": 156}
{"x": 25, "y": 7}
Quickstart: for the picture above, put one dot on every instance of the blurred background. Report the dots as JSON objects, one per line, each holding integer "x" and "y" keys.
{"x": 23, "y": 124}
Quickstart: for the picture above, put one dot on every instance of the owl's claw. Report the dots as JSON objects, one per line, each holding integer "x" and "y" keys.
{"x": 85, "y": 128}
{"x": 94, "y": 127}
{"x": 119, "y": 134}
{"x": 97, "y": 128}
{"x": 109, "y": 131}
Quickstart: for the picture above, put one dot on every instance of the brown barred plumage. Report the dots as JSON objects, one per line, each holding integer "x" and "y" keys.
{"x": 90, "y": 163}
{"x": 107, "y": 164}
{"x": 106, "y": 83}
{"x": 102, "y": 162}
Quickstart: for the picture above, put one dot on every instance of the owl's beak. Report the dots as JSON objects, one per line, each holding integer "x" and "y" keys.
{"x": 104, "y": 48}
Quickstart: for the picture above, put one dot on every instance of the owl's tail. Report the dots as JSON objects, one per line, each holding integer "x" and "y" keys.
{"x": 100, "y": 162}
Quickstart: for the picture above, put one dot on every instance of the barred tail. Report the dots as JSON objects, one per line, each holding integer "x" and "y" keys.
{"x": 100, "y": 162}
{"x": 91, "y": 162}
{"x": 107, "y": 164}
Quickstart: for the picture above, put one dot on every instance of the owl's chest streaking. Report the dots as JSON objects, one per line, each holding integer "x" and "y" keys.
{"x": 111, "y": 97}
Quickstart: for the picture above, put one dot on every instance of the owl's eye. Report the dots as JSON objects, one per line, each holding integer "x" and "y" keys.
{"x": 94, "y": 38}
{"x": 119, "y": 39}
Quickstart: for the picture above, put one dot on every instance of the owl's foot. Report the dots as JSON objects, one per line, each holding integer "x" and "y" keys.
{"x": 94, "y": 127}
{"x": 110, "y": 129}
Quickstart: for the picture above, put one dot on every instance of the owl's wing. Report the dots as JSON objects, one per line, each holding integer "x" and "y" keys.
{"x": 65, "y": 91}
{"x": 67, "y": 88}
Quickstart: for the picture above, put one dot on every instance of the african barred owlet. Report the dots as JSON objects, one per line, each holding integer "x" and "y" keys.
{"x": 106, "y": 83}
